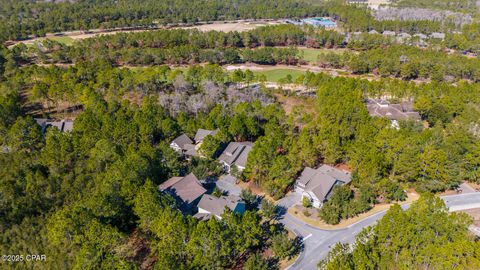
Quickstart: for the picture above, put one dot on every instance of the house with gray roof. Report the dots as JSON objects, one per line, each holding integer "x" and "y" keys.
{"x": 212, "y": 206}
{"x": 186, "y": 190}
{"x": 62, "y": 125}
{"x": 202, "y": 133}
{"x": 420, "y": 36}
{"x": 394, "y": 112}
{"x": 181, "y": 144}
{"x": 184, "y": 145}
{"x": 389, "y": 33}
{"x": 236, "y": 154}
{"x": 317, "y": 184}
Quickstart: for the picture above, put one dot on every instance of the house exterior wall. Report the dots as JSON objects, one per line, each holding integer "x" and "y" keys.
{"x": 313, "y": 199}
{"x": 203, "y": 211}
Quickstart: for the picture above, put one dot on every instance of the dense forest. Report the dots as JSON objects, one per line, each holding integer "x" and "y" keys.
{"x": 89, "y": 199}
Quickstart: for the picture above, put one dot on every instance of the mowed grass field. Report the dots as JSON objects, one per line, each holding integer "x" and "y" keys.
{"x": 63, "y": 39}
{"x": 274, "y": 75}
{"x": 310, "y": 55}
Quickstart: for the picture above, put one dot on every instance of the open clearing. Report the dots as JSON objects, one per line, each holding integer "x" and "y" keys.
{"x": 230, "y": 26}
{"x": 310, "y": 55}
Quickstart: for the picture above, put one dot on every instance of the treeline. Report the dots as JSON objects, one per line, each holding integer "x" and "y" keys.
{"x": 379, "y": 55}
{"x": 187, "y": 47}
{"x": 407, "y": 63}
{"x": 424, "y": 236}
{"x": 26, "y": 18}
{"x": 21, "y": 19}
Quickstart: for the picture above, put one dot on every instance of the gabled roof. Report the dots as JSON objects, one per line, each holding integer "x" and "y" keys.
{"x": 182, "y": 140}
{"x": 400, "y": 111}
{"x": 187, "y": 188}
{"x": 322, "y": 180}
{"x": 216, "y": 206}
{"x": 236, "y": 153}
{"x": 202, "y": 133}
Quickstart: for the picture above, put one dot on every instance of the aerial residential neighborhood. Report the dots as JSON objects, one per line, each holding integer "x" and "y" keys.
{"x": 242, "y": 135}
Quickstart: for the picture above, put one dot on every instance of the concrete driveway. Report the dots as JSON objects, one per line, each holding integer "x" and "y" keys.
{"x": 228, "y": 183}
{"x": 317, "y": 242}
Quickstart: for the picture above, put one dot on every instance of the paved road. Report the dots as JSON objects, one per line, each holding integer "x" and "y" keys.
{"x": 317, "y": 242}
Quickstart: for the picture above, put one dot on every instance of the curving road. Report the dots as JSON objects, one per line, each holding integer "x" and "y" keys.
{"x": 317, "y": 242}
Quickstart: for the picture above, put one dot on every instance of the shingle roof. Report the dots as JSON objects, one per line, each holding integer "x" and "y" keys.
{"x": 187, "y": 188}
{"x": 216, "y": 206}
{"x": 401, "y": 111}
{"x": 182, "y": 140}
{"x": 321, "y": 181}
{"x": 62, "y": 125}
{"x": 236, "y": 153}
{"x": 202, "y": 133}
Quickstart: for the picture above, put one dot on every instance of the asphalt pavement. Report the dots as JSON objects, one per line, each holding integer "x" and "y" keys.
{"x": 317, "y": 242}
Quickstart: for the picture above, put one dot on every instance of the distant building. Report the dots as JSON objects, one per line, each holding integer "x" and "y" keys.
{"x": 404, "y": 35}
{"x": 389, "y": 33}
{"x": 186, "y": 190}
{"x": 421, "y": 36}
{"x": 235, "y": 154}
{"x": 317, "y": 184}
{"x": 394, "y": 112}
{"x": 320, "y": 22}
{"x": 62, "y": 125}
{"x": 212, "y": 206}
{"x": 437, "y": 35}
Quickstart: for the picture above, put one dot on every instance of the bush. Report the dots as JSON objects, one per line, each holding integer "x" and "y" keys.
{"x": 306, "y": 202}
{"x": 282, "y": 246}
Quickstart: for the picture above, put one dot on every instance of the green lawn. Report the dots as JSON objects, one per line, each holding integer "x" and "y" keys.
{"x": 310, "y": 55}
{"x": 63, "y": 39}
{"x": 274, "y": 75}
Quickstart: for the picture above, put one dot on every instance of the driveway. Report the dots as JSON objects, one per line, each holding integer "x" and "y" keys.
{"x": 228, "y": 183}
{"x": 317, "y": 242}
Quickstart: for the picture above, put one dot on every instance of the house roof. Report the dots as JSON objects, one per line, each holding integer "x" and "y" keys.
{"x": 420, "y": 35}
{"x": 236, "y": 153}
{"x": 321, "y": 181}
{"x": 62, "y": 125}
{"x": 438, "y": 35}
{"x": 202, "y": 133}
{"x": 216, "y": 206}
{"x": 187, "y": 188}
{"x": 400, "y": 111}
{"x": 182, "y": 140}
